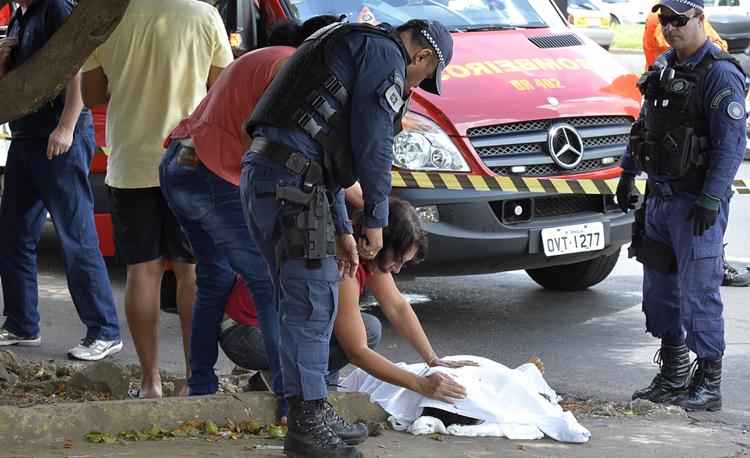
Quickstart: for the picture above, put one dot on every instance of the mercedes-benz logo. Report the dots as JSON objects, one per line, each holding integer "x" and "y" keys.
{"x": 565, "y": 146}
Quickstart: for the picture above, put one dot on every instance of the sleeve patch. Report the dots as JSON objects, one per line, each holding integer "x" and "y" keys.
{"x": 718, "y": 98}
{"x": 736, "y": 111}
{"x": 393, "y": 98}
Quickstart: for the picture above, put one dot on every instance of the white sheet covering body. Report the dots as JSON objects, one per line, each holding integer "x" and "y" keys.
{"x": 513, "y": 403}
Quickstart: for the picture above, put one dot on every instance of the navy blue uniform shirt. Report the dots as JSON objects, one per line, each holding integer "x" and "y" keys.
{"x": 368, "y": 65}
{"x": 33, "y": 29}
{"x": 722, "y": 101}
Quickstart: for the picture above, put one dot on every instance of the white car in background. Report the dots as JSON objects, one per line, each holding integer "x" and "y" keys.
{"x": 626, "y": 11}
{"x": 727, "y": 7}
{"x": 590, "y": 19}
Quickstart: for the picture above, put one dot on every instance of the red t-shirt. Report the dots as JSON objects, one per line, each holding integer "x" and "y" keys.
{"x": 217, "y": 125}
{"x": 241, "y": 305}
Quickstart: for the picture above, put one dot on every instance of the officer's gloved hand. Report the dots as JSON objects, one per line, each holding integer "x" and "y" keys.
{"x": 704, "y": 213}
{"x": 626, "y": 200}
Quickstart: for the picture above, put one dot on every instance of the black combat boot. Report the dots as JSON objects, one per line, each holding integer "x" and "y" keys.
{"x": 705, "y": 387}
{"x": 351, "y": 434}
{"x": 673, "y": 378}
{"x": 310, "y": 437}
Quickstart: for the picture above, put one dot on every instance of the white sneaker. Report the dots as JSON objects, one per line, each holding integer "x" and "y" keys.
{"x": 8, "y": 338}
{"x": 95, "y": 350}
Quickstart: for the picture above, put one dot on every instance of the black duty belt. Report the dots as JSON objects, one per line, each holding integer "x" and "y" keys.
{"x": 667, "y": 189}
{"x": 290, "y": 159}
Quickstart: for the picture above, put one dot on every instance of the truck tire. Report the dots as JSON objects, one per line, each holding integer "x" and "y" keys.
{"x": 575, "y": 277}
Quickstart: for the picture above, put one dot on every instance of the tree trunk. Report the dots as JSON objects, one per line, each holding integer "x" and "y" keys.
{"x": 44, "y": 76}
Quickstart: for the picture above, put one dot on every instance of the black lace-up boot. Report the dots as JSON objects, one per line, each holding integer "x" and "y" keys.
{"x": 705, "y": 387}
{"x": 673, "y": 377}
{"x": 351, "y": 434}
{"x": 309, "y": 436}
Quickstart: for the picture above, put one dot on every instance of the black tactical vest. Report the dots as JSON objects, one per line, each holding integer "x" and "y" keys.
{"x": 674, "y": 136}
{"x": 307, "y": 95}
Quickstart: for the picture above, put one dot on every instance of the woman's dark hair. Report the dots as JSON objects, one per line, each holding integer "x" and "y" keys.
{"x": 292, "y": 33}
{"x": 403, "y": 232}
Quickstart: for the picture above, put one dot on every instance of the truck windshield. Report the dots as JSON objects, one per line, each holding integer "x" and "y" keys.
{"x": 457, "y": 15}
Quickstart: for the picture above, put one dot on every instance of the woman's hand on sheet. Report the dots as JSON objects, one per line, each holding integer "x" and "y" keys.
{"x": 441, "y": 387}
{"x": 450, "y": 364}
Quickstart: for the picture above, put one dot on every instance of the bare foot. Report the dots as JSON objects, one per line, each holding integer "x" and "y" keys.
{"x": 537, "y": 361}
{"x": 151, "y": 391}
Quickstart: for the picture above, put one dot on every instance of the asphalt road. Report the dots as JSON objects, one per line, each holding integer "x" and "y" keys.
{"x": 592, "y": 342}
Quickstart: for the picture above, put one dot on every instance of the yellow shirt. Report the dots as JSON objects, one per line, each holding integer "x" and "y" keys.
{"x": 157, "y": 63}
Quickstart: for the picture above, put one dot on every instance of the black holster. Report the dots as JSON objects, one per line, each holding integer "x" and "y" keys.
{"x": 307, "y": 226}
{"x": 650, "y": 253}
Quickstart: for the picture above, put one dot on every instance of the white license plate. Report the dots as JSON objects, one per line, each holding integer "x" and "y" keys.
{"x": 573, "y": 239}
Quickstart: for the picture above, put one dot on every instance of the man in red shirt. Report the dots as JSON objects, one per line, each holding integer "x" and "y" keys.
{"x": 199, "y": 177}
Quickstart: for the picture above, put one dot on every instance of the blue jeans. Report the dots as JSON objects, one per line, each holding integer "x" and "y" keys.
{"x": 34, "y": 183}
{"x": 209, "y": 209}
{"x": 307, "y": 296}
{"x": 686, "y": 303}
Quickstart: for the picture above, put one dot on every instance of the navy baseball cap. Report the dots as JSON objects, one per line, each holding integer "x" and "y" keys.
{"x": 442, "y": 43}
{"x": 679, "y": 6}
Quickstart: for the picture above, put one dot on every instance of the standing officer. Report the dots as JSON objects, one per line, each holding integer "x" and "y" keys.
{"x": 690, "y": 140}
{"x": 328, "y": 119}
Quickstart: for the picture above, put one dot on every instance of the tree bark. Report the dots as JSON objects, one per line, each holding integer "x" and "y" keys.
{"x": 45, "y": 75}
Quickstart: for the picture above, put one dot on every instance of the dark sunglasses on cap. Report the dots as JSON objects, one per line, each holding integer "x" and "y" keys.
{"x": 676, "y": 20}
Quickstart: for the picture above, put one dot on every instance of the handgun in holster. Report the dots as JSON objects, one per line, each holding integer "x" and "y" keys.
{"x": 309, "y": 233}
{"x": 651, "y": 253}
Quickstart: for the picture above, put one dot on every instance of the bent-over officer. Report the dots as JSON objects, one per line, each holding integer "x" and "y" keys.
{"x": 327, "y": 120}
{"x": 690, "y": 140}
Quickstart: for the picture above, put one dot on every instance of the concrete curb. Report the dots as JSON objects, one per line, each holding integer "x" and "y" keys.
{"x": 48, "y": 423}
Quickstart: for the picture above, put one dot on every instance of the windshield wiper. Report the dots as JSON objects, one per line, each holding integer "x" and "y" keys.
{"x": 487, "y": 28}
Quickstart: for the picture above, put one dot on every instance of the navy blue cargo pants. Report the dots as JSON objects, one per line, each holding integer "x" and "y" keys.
{"x": 307, "y": 297}
{"x": 686, "y": 303}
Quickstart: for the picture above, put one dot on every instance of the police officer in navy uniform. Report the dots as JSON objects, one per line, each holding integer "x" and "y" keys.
{"x": 690, "y": 141}
{"x": 327, "y": 120}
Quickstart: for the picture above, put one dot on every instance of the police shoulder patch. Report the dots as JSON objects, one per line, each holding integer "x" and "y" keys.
{"x": 736, "y": 111}
{"x": 721, "y": 95}
{"x": 393, "y": 97}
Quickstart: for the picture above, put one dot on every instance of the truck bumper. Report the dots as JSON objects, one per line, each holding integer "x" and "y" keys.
{"x": 473, "y": 235}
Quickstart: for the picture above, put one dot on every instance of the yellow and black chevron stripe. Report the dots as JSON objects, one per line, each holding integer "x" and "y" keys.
{"x": 452, "y": 181}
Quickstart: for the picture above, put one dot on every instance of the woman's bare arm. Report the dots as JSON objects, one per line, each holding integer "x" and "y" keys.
{"x": 352, "y": 337}
{"x": 400, "y": 313}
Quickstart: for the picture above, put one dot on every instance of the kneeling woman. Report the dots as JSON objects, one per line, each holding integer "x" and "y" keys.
{"x": 356, "y": 334}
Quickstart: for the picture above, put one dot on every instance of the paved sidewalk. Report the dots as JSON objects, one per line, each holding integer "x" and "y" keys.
{"x": 664, "y": 436}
